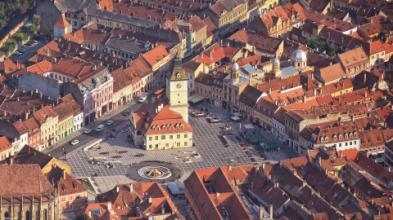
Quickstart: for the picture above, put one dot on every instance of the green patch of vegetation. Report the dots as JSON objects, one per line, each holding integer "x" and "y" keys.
{"x": 22, "y": 35}
{"x": 321, "y": 46}
{"x": 87, "y": 184}
{"x": 12, "y": 9}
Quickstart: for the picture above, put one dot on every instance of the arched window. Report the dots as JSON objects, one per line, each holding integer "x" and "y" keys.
{"x": 28, "y": 215}
{"x": 45, "y": 214}
{"x": 7, "y": 215}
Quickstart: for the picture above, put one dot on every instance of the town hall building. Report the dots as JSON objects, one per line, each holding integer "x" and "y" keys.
{"x": 163, "y": 123}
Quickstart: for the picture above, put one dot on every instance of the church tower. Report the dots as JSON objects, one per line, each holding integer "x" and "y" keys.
{"x": 235, "y": 73}
{"x": 177, "y": 91}
{"x": 276, "y": 68}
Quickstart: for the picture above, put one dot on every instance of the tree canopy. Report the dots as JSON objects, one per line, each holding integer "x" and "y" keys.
{"x": 11, "y": 9}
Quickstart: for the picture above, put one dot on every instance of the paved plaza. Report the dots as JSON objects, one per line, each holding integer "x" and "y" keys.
{"x": 122, "y": 154}
{"x": 117, "y": 156}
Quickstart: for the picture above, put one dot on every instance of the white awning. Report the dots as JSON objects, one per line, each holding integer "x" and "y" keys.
{"x": 195, "y": 98}
{"x": 249, "y": 126}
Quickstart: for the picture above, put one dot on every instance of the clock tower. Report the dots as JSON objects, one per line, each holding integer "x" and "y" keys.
{"x": 177, "y": 91}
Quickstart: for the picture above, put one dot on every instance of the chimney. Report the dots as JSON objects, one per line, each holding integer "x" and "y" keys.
{"x": 364, "y": 78}
{"x": 150, "y": 200}
{"x": 64, "y": 174}
{"x": 131, "y": 187}
{"x": 217, "y": 194}
{"x": 109, "y": 206}
{"x": 117, "y": 189}
{"x": 229, "y": 167}
{"x": 27, "y": 116}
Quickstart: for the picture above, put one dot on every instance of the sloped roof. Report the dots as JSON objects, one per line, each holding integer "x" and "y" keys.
{"x": 29, "y": 155}
{"x": 332, "y": 73}
{"x": 155, "y": 55}
{"x": 4, "y": 144}
{"x": 23, "y": 179}
{"x": 62, "y": 22}
{"x": 168, "y": 121}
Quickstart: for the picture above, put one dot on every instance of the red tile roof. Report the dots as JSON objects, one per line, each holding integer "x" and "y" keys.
{"x": 353, "y": 57}
{"x": 151, "y": 198}
{"x": 284, "y": 12}
{"x": 155, "y": 55}
{"x": 65, "y": 183}
{"x": 62, "y": 22}
{"x": 44, "y": 113}
{"x": 5, "y": 144}
{"x": 23, "y": 179}
{"x": 216, "y": 53}
{"x": 212, "y": 188}
{"x": 20, "y": 127}
{"x": 332, "y": 73}
{"x": 168, "y": 121}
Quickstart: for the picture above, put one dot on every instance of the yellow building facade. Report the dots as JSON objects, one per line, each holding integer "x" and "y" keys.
{"x": 48, "y": 121}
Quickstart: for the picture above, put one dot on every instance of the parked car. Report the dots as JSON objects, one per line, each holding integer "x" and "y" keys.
{"x": 126, "y": 113}
{"x": 87, "y": 131}
{"x": 74, "y": 142}
{"x": 214, "y": 120}
{"x": 100, "y": 128}
{"x": 109, "y": 122}
{"x": 227, "y": 128}
{"x": 198, "y": 114}
{"x": 196, "y": 155}
{"x": 187, "y": 160}
{"x": 142, "y": 99}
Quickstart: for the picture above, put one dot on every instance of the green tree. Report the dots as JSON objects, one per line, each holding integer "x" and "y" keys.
{"x": 314, "y": 43}
{"x": 36, "y": 23}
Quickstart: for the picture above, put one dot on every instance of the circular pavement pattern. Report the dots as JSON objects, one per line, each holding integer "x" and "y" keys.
{"x": 157, "y": 171}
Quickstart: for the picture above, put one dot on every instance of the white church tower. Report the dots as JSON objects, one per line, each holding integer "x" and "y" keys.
{"x": 177, "y": 91}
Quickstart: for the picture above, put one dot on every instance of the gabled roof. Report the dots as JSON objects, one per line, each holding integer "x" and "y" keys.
{"x": 250, "y": 96}
{"x": 332, "y": 73}
{"x": 29, "y": 155}
{"x": 65, "y": 183}
{"x": 155, "y": 55}
{"x": 4, "y": 144}
{"x": 148, "y": 198}
{"x": 168, "y": 121}
{"x": 43, "y": 114}
{"x": 63, "y": 110}
{"x": 23, "y": 179}
{"x": 352, "y": 57}
{"x": 62, "y": 22}
{"x": 262, "y": 43}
